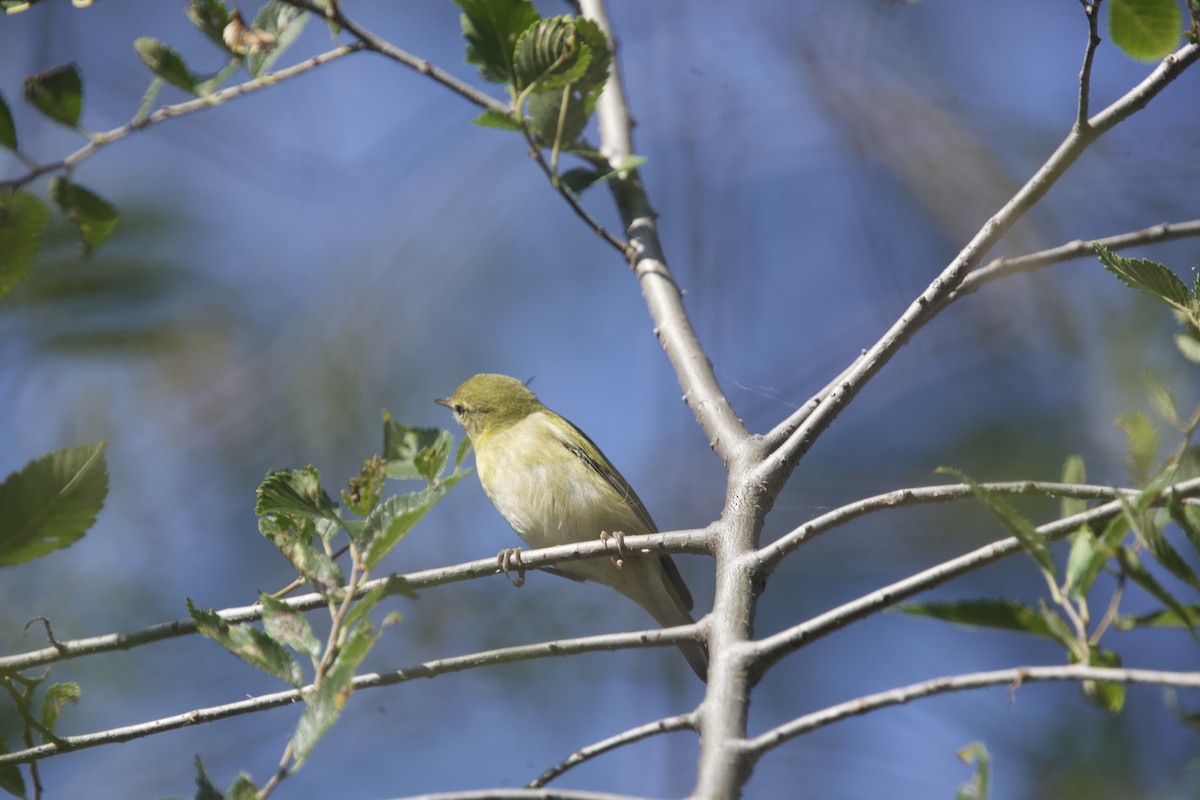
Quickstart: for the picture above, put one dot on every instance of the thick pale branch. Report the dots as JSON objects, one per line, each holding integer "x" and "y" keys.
{"x": 664, "y": 299}
{"x": 165, "y": 113}
{"x": 689, "y": 541}
{"x": 802, "y": 428}
{"x": 658, "y": 637}
{"x": 957, "y": 683}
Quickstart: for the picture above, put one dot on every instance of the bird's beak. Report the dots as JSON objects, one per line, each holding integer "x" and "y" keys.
{"x": 443, "y": 401}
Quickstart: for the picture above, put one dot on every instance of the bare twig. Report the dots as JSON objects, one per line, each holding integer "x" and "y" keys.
{"x": 658, "y": 637}
{"x": 679, "y": 722}
{"x": 165, "y": 113}
{"x": 1091, "y": 9}
{"x": 957, "y": 683}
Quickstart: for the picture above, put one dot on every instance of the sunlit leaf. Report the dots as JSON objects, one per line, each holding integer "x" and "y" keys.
{"x": 405, "y": 446}
{"x": 56, "y": 697}
{"x": 491, "y": 28}
{"x": 1148, "y": 277}
{"x": 1145, "y": 29}
{"x": 549, "y": 55}
{"x": 249, "y": 644}
{"x": 497, "y": 119}
{"x": 165, "y": 63}
{"x": 396, "y": 516}
{"x": 976, "y": 788}
{"x": 296, "y": 491}
{"x": 51, "y": 502}
{"x": 289, "y": 627}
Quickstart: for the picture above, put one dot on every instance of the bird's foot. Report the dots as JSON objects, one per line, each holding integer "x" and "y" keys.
{"x": 619, "y": 538}
{"x": 511, "y": 559}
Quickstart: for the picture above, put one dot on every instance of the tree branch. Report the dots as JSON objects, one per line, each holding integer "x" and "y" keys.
{"x": 686, "y": 541}
{"x": 164, "y": 113}
{"x": 802, "y": 434}
{"x": 957, "y": 683}
{"x": 679, "y": 722}
{"x": 657, "y": 637}
{"x": 1092, "y": 11}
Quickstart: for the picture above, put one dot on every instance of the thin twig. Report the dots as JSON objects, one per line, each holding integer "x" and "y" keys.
{"x": 956, "y": 683}
{"x": 1092, "y": 11}
{"x": 164, "y": 113}
{"x": 658, "y": 637}
{"x": 679, "y": 722}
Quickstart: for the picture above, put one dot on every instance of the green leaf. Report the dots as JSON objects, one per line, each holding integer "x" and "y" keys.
{"x": 57, "y": 93}
{"x": 1143, "y": 445}
{"x": 977, "y": 788}
{"x": 11, "y": 779}
{"x": 464, "y": 447}
{"x": 242, "y": 788}
{"x": 296, "y": 491}
{"x": 249, "y": 644}
{"x": 289, "y": 627}
{"x": 1188, "y": 343}
{"x": 576, "y": 180}
{"x": 1107, "y": 695}
{"x": 1018, "y": 526}
{"x": 51, "y": 502}
{"x": 1073, "y": 472}
{"x": 325, "y": 705}
{"x": 209, "y": 85}
{"x": 22, "y": 218}
{"x": 211, "y": 17}
{"x": 1132, "y": 566}
{"x": 549, "y": 55}
{"x": 1187, "y": 518}
{"x": 545, "y": 108}
{"x": 295, "y": 540}
{"x": 56, "y": 697}
{"x": 1146, "y": 30}
{"x": 91, "y": 214}
{"x": 491, "y": 28}
{"x": 1080, "y": 563}
{"x": 1009, "y": 615}
{"x": 1148, "y": 277}
{"x": 1162, "y": 618}
{"x": 497, "y": 119}
{"x": 8, "y": 131}
{"x": 392, "y": 585}
{"x": 165, "y": 63}
{"x": 412, "y": 452}
{"x": 205, "y": 790}
{"x": 366, "y": 487}
{"x": 1150, "y": 532}
{"x": 395, "y": 517}
{"x": 281, "y": 21}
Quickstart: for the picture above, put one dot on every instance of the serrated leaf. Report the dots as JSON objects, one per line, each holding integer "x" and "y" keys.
{"x": 1133, "y": 568}
{"x": 8, "y": 131}
{"x": 1148, "y": 277}
{"x": 295, "y": 540}
{"x": 56, "y": 697}
{"x": 325, "y": 705}
{"x": 405, "y": 445}
{"x": 57, "y": 93}
{"x": 1009, "y": 615}
{"x": 281, "y": 21}
{"x": 296, "y": 491}
{"x": 22, "y": 218}
{"x": 51, "y": 502}
{"x": 165, "y": 63}
{"x": 549, "y": 55}
{"x": 596, "y": 76}
{"x": 288, "y": 626}
{"x": 1143, "y": 445}
{"x": 249, "y": 644}
{"x": 1017, "y": 525}
{"x": 395, "y": 517}
{"x": 1146, "y": 30}
{"x": 92, "y": 215}
{"x": 211, "y": 17}
{"x": 491, "y": 28}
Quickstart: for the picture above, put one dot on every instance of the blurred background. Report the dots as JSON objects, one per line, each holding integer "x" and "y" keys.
{"x": 289, "y": 264}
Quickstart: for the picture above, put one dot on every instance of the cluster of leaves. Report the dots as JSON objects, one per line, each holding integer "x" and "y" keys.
{"x": 307, "y": 525}
{"x": 58, "y": 95}
{"x": 1140, "y": 529}
{"x": 554, "y": 68}
{"x": 45, "y": 506}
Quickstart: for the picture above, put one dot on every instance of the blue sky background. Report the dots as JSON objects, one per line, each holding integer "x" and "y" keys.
{"x": 347, "y": 241}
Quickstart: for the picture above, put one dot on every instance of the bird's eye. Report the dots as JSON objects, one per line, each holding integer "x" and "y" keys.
{"x": 458, "y": 408}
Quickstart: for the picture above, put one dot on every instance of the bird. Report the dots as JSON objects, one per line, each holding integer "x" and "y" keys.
{"x": 554, "y": 486}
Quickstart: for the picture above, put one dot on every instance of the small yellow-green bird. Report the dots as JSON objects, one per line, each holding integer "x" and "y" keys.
{"x": 554, "y": 486}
